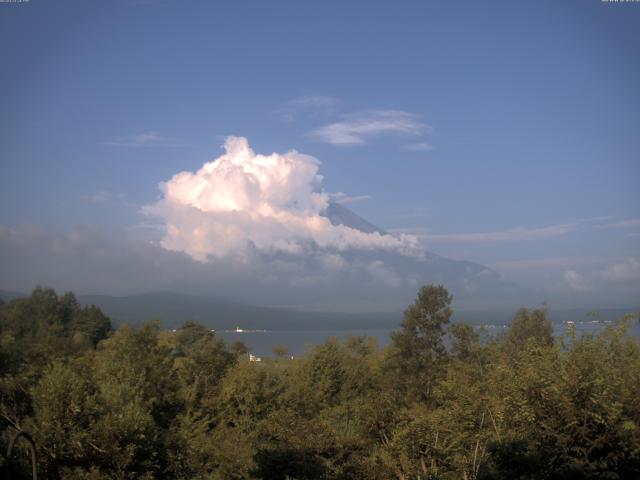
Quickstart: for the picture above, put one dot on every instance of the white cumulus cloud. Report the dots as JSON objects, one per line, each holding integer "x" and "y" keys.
{"x": 245, "y": 201}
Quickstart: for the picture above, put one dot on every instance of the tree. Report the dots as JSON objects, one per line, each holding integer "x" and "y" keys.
{"x": 201, "y": 363}
{"x": 465, "y": 341}
{"x": 44, "y": 326}
{"x": 91, "y": 323}
{"x": 529, "y": 326}
{"x": 418, "y": 353}
{"x": 146, "y": 403}
{"x": 239, "y": 348}
{"x": 65, "y": 410}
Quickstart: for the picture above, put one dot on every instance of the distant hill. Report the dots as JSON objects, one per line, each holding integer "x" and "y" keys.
{"x": 174, "y": 308}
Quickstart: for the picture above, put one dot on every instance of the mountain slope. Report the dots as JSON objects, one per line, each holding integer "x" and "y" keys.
{"x": 467, "y": 280}
{"x": 340, "y": 215}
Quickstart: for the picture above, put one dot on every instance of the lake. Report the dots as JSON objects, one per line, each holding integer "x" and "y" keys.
{"x": 260, "y": 343}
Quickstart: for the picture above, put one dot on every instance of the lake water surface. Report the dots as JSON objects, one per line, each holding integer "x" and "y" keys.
{"x": 261, "y": 343}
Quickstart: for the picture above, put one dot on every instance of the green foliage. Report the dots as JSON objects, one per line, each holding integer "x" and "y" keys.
{"x": 418, "y": 354}
{"x": 438, "y": 403}
{"x": 569, "y": 413}
{"x": 38, "y": 328}
{"x": 529, "y": 326}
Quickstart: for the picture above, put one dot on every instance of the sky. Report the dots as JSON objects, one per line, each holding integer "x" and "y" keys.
{"x": 502, "y": 133}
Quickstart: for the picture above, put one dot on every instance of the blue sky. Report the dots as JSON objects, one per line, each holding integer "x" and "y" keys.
{"x": 506, "y": 133}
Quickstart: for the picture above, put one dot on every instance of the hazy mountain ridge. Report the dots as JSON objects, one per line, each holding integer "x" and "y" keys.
{"x": 493, "y": 299}
{"x": 340, "y": 215}
{"x": 463, "y": 278}
{"x": 172, "y": 309}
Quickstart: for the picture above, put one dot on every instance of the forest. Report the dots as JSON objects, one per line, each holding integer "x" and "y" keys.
{"x": 442, "y": 401}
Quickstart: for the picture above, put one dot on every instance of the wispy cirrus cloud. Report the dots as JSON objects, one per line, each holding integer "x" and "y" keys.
{"x": 417, "y": 147}
{"x": 517, "y": 234}
{"x": 306, "y": 103}
{"x": 104, "y": 197}
{"x": 145, "y": 139}
{"x": 356, "y": 128}
{"x": 343, "y": 198}
{"x": 630, "y": 223}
